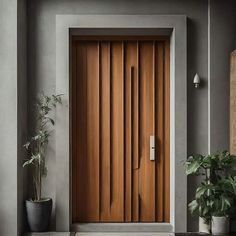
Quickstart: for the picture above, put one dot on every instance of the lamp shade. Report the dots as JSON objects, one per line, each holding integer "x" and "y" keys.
{"x": 196, "y": 80}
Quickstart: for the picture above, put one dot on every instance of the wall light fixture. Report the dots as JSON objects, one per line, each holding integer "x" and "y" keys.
{"x": 196, "y": 81}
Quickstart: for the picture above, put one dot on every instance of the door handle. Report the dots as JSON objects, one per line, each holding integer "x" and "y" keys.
{"x": 152, "y": 148}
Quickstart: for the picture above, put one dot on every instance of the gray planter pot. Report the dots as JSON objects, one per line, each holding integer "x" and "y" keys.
{"x": 204, "y": 227}
{"x": 39, "y": 214}
{"x": 220, "y": 225}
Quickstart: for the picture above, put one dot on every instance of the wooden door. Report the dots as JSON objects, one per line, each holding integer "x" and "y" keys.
{"x": 120, "y": 98}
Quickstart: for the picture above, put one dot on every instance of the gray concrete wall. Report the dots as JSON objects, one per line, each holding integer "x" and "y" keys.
{"x": 42, "y": 56}
{"x": 8, "y": 117}
{"x": 223, "y": 42}
{"x": 41, "y": 67}
{"x": 12, "y": 113}
{"x": 41, "y": 71}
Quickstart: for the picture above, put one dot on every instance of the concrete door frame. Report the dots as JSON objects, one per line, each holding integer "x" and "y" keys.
{"x": 176, "y": 27}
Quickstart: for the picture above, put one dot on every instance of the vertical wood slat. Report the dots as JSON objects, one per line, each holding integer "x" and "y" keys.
{"x": 124, "y": 128}
{"x": 135, "y": 135}
{"x": 105, "y": 131}
{"x": 131, "y": 140}
{"x": 80, "y": 124}
{"x": 99, "y": 130}
{"x": 92, "y": 132}
{"x": 130, "y": 63}
{"x": 136, "y": 109}
{"x": 160, "y": 131}
{"x": 167, "y": 133}
{"x": 154, "y": 122}
{"x": 146, "y": 171}
{"x": 117, "y": 97}
{"x": 111, "y": 122}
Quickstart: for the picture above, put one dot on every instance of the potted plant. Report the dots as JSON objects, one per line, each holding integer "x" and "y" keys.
{"x": 38, "y": 208}
{"x": 222, "y": 199}
{"x": 201, "y": 165}
{"x": 200, "y": 207}
{"x": 211, "y": 166}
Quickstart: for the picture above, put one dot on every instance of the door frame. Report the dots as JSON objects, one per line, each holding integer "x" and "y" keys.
{"x": 176, "y": 27}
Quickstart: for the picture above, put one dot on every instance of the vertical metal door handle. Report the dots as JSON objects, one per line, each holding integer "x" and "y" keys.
{"x": 152, "y": 148}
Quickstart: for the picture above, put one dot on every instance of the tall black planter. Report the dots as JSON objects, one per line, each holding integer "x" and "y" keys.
{"x": 39, "y": 214}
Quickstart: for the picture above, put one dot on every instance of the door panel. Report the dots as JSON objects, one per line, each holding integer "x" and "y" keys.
{"x": 120, "y": 97}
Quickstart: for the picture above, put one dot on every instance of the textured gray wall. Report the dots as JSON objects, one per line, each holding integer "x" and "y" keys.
{"x": 41, "y": 38}
{"x": 8, "y": 117}
{"x": 13, "y": 113}
{"x": 42, "y": 55}
{"x": 223, "y": 42}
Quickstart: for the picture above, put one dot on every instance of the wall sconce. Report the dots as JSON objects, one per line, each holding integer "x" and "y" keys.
{"x": 196, "y": 81}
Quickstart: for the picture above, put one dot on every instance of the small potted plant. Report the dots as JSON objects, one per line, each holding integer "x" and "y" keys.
{"x": 222, "y": 199}
{"x": 38, "y": 208}
{"x": 213, "y": 167}
{"x": 201, "y": 165}
{"x": 200, "y": 207}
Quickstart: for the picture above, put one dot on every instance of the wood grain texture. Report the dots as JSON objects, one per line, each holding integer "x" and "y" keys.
{"x": 105, "y": 131}
{"x": 147, "y": 170}
{"x": 160, "y": 130}
{"x": 135, "y": 137}
{"x": 120, "y": 97}
{"x": 117, "y": 123}
{"x": 79, "y": 140}
{"x": 92, "y": 158}
{"x": 131, "y": 125}
{"x": 128, "y": 133}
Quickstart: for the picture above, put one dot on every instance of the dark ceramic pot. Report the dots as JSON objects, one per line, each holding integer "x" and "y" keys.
{"x": 39, "y": 214}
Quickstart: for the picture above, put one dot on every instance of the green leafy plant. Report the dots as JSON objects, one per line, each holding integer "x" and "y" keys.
{"x": 200, "y": 206}
{"x": 216, "y": 194}
{"x": 213, "y": 165}
{"x": 37, "y": 144}
{"x": 214, "y": 199}
{"x": 222, "y": 196}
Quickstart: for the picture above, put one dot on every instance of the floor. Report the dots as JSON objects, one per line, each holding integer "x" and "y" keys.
{"x": 124, "y": 234}
{"x": 115, "y": 234}
{"x": 99, "y": 234}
